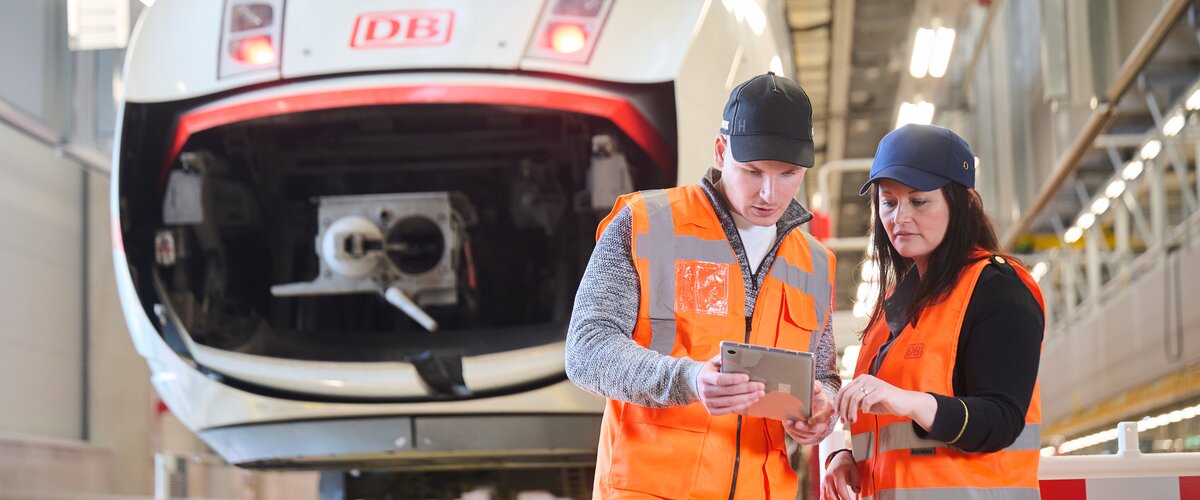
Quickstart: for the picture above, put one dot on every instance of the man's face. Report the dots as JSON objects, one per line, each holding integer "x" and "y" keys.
{"x": 759, "y": 191}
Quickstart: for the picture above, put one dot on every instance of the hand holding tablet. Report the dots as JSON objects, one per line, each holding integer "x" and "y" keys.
{"x": 786, "y": 375}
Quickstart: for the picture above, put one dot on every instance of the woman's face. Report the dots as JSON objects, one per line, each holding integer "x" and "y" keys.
{"x": 915, "y": 221}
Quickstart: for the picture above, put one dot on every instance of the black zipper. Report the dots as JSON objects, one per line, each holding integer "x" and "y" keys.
{"x": 737, "y": 459}
{"x": 737, "y": 456}
{"x": 744, "y": 262}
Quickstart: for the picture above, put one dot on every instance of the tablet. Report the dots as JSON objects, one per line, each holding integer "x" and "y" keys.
{"x": 787, "y": 375}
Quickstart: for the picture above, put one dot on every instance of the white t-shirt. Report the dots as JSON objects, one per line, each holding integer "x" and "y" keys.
{"x": 757, "y": 240}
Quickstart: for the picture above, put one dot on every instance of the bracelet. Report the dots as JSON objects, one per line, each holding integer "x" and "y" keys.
{"x": 966, "y": 418}
{"x": 834, "y": 454}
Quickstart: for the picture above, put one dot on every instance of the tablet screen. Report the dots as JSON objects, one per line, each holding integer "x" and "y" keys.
{"x": 787, "y": 375}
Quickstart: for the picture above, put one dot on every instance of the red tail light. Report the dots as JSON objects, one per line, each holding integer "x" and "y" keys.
{"x": 567, "y": 38}
{"x": 568, "y": 30}
{"x": 254, "y": 50}
{"x": 251, "y": 37}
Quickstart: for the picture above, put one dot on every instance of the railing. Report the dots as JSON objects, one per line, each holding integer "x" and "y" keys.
{"x": 1128, "y": 474}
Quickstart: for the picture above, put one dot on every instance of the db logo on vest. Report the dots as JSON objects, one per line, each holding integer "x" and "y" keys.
{"x": 398, "y": 28}
{"x": 914, "y": 351}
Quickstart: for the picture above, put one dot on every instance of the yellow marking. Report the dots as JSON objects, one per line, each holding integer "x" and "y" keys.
{"x": 1171, "y": 389}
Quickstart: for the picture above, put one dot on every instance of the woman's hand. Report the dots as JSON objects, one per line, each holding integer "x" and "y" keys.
{"x": 841, "y": 480}
{"x": 725, "y": 393}
{"x": 869, "y": 394}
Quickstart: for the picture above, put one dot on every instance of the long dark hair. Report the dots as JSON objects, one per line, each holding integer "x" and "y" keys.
{"x": 969, "y": 229}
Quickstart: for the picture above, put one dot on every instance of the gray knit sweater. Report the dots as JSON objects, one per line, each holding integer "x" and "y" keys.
{"x": 602, "y": 357}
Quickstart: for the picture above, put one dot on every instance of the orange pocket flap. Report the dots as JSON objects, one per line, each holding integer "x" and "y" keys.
{"x": 799, "y": 309}
{"x": 691, "y": 417}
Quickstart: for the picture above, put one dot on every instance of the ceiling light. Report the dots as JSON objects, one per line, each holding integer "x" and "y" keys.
{"x": 850, "y": 357}
{"x": 1193, "y": 101}
{"x": 1039, "y": 270}
{"x": 1115, "y": 188}
{"x": 922, "y": 52}
{"x": 870, "y": 270}
{"x": 1073, "y": 234}
{"x": 1151, "y": 149}
{"x": 1100, "y": 206}
{"x": 776, "y": 65}
{"x": 1085, "y": 220}
{"x": 943, "y": 44}
{"x": 864, "y": 290}
{"x": 920, "y": 112}
{"x": 1173, "y": 125}
{"x": 1132, "y": 170}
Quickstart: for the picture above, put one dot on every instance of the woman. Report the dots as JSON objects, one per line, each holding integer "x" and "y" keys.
{"x": 944, "y": 401}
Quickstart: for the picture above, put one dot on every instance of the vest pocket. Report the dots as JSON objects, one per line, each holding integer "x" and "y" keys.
{"x": 658, "y": 450}
{"x": 701, "y": 288}
{"x": 777, "y": 467}
{"x": 799, "y": 320}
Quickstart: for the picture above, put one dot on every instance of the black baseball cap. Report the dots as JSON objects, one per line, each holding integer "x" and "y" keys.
{"x": 922, "y": 157}
{"x": 769, "y": 117}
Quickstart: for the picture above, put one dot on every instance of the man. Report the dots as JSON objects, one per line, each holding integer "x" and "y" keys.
{"x": 677, "y": 271}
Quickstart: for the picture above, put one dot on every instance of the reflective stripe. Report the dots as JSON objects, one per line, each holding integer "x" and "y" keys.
{"x": 861, "y": 444}
{"x": 958, "y": 494}
{"x": 820, "y": 265}
{"x": 900, "y": 436}
{"x": 1030, "y": 439}
{"x": 661, "y": 253}
{"x": 692, "y": 248}
{"x": 815, "y": 284}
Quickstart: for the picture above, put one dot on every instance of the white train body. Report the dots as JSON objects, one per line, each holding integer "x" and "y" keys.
{"x": 349, "y": 233}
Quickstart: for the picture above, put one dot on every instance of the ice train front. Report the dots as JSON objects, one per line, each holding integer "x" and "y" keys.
{"x": 349, "y": 234}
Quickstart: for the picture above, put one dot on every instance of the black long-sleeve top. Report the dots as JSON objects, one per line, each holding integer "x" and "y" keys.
{"x": 996, "y": 367}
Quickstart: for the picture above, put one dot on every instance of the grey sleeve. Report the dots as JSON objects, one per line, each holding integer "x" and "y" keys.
{"x": 601, "y": 356}
{"x": 825, "y": 360}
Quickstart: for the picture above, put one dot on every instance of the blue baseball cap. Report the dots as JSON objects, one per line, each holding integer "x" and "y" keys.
{"x": 922, "y": 157}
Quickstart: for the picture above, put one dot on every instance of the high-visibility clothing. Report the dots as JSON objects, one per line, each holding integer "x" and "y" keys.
{"x": 692, "y": 298}
{"x": 893, "y": 462}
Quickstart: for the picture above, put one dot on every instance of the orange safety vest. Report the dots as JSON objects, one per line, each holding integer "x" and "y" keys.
{"x": 692, "y": 298}
{"x": 892, "y": 461}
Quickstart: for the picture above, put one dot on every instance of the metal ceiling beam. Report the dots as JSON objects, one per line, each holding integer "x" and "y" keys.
{"x": 839, "y": 99}
{"x": 977, "y": 54}
{"x": 1101, "y": 117}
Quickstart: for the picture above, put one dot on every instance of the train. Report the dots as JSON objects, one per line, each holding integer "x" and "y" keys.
{"x": 347, "y": 235}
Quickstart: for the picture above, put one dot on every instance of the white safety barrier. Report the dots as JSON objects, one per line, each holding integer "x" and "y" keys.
{"x": 1128, "y": 474}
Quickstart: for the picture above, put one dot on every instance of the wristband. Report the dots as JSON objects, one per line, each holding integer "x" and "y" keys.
{"x": 829, "y": 458}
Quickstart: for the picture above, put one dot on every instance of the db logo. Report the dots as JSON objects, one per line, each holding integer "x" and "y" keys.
{"x": 914, "y": 351}
{"x": 398, "y": 28}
